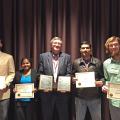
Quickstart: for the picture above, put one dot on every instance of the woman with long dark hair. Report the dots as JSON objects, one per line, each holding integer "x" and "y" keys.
{"x": 25, "y": 107}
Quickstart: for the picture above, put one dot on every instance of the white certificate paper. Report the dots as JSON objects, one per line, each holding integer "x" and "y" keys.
{"x": 24, "y": 90}
{"x": 113, "y": 91}
{"x": 85, "y": 79}
{"x": 2, "y": 82}
{"x": 46, "y": 82}
{"x": 64, "y": 83}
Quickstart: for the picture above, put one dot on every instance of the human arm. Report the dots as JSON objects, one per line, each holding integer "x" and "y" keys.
{"x": 11, "y": 71}
{"x": 99, "y": 74}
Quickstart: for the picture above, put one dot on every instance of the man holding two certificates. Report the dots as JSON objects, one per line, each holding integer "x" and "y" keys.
{"x": 112, "y": 76}
{"x": 88, "y": 79}
{"x": 55, "y": 69}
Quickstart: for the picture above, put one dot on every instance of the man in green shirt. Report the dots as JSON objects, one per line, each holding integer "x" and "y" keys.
{"x": 111, "y": 68}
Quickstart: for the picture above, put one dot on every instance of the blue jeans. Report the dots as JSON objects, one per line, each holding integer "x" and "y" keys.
{"x": 4, "y": 104}
{"x": 93, "y": 105}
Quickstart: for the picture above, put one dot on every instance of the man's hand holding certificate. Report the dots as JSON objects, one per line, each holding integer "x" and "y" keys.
{"x": 64, "y": 83}
{"x": 85, "y": 79}
{"x": 24, "y": 90}
{"x": 113, "y": 91}
{"x": 46, "y": 82}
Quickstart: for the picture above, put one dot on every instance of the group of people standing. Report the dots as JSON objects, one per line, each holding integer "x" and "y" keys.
{"x": 57, "y": 63}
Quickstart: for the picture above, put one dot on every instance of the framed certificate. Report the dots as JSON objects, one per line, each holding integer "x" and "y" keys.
{"x": 24, "y": 90}
{"x": 113, "y": 91}
{"x": 85, "y": 79}
{"x": 46, "y": 82}
{"x": 2, "y": 82}
{"x": 64, "y": 83}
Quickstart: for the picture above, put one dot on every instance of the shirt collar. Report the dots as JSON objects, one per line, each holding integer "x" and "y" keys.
{"x": 91, "y": 62}
{"x": 114, "y": 61}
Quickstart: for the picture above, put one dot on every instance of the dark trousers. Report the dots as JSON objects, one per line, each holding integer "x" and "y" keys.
{"x": 114, "y": 112}
{"x": 4, "y": 104}
{"x": 24, "y": 111}
{"x": 53, "y": 104}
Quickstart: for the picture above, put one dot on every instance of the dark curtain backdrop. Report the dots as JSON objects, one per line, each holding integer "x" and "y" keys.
{"x": 28, "y": 25}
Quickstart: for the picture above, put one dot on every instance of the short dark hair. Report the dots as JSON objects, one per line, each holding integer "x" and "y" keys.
{"x": 2, "y": 42}
{"x": 85, "y": 42}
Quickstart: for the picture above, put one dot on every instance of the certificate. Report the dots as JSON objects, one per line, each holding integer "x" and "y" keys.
{"x": 64, "y": 83}
{"x": 113, "y": 91}
{"x": 2, "y": 82}
{"x": 24, "y": 90}
{"x": 85, "y": 79}
{"x": 46, "y": 82}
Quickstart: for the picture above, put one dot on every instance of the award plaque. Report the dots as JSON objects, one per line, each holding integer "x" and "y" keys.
{"x": 113, "y": 91}
{"x": 24, "y": 90}
{"x": 64, "y": 83}
{"x": 46, "y": 82}
{"x": 85, "y": 79}
{"x": 2, "y": 82}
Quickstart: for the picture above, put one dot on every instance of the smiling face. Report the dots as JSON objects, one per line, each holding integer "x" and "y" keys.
{"x": 114, "y": 48}
{"x": 85, "y": 50}
{"x": 56, "y": 45}
{"x": 26, "y": 65}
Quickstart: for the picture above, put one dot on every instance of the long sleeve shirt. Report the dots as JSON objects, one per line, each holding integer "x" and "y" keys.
{"x": 112, "y": 74}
